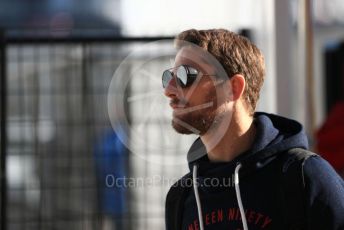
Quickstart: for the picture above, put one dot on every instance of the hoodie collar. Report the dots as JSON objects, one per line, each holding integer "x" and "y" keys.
{"x": 274, "y": 134}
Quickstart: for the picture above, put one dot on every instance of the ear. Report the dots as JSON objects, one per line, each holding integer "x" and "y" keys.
{"x": 238, "y": 84}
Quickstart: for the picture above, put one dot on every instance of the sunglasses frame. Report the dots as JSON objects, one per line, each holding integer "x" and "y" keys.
{"x": 191, "y": 75}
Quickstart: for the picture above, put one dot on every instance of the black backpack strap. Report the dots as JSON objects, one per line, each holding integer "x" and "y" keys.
{"x": 293, "y": 187}
{"x": 175, "y": 203}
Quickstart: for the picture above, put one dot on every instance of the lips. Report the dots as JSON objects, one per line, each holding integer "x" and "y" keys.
{"x": 176, "y": 104}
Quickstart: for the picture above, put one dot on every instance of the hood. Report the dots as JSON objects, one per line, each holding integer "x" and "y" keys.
{"x": 275, "y": 134}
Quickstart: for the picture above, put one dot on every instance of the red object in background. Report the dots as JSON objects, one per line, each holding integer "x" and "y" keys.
{"x": 330, "y": 137}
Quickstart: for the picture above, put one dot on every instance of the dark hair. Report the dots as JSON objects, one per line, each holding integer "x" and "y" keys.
{"x": 235, "y": 53}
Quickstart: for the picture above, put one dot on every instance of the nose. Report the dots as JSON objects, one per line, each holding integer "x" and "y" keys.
{"x": 171, "y": 89}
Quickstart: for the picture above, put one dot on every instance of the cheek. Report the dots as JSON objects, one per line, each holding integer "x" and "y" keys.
{"x": 220, "y": 97}
{"x": 203, "y": 93}
{"x": 210, "y": 95}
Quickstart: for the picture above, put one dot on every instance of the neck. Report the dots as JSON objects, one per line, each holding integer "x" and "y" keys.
{"x": 232, "y": 141}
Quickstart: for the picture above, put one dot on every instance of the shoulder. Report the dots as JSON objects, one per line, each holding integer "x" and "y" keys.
{"x": 318, "y": 176}
{"x": 179, "y": 187}
{"x": 325, "y": 194}
{"x": 321, "y": 178}
{"x": 175, "y": 200}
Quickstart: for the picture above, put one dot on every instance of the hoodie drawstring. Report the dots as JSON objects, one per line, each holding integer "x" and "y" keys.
{"x": 237, "y": 192}
{"x": 198, "y": 201}
{"x": 238, "y": 195}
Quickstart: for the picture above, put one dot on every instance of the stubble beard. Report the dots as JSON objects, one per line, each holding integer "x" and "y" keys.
{"x": 192, "y": 123}
{"x": 198, "y": 121}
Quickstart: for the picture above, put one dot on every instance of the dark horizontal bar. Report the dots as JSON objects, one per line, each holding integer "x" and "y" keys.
{"x": 81, "y": 39}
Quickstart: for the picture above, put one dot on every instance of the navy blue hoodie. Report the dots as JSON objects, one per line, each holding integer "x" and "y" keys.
{"x": 260, "y": 187}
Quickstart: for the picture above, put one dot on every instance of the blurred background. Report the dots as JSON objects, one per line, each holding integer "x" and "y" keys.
{"x": 61, "y": 156}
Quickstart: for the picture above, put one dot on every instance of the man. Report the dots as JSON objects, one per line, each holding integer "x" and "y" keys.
{"x": 213, "y": 90}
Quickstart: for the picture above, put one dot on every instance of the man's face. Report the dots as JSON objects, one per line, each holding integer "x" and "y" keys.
{"x": 200, "y": 106}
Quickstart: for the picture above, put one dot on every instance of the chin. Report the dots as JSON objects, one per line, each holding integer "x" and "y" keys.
{"x": 190, "y": 123}
{"x": 180, "y": 128}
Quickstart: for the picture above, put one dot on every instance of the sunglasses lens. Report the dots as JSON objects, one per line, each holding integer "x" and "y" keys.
{"x": 185, "y": 76}
{"x": 182, "y": 75}
{"x": 166, "y": 78}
